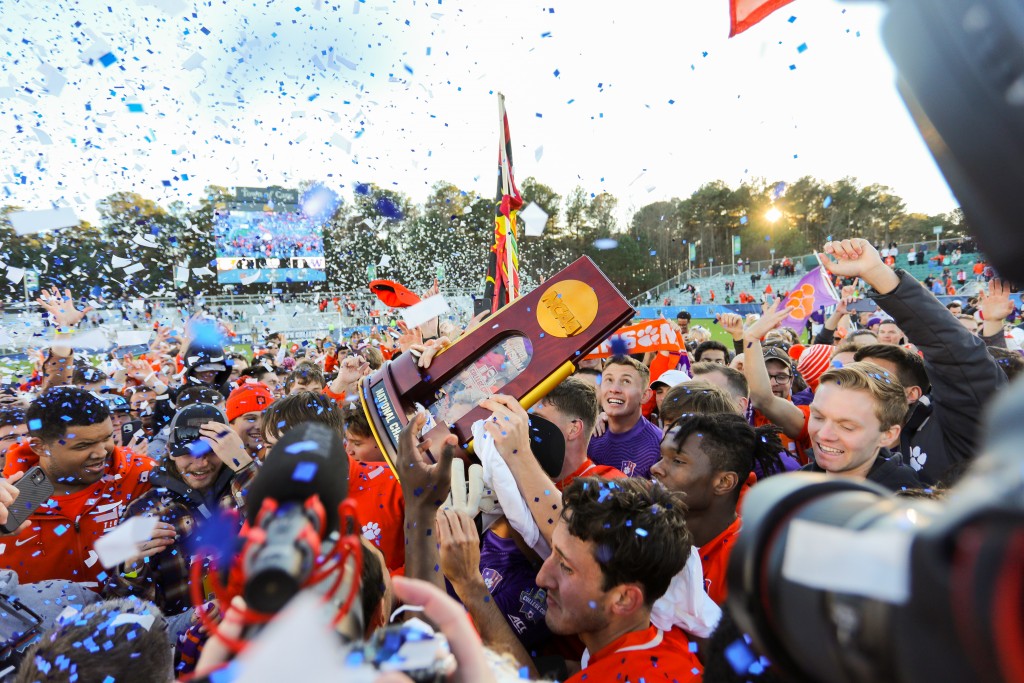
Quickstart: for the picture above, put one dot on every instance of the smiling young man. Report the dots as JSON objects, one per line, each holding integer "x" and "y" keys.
{"x": 244, "y": 411}
{"x": 708, "y": 458}
{"x": 856, "y": 411}
{"x": 631, "y": 444}
{"x": 71, "y": 438}
{"x": 614, "y": 552}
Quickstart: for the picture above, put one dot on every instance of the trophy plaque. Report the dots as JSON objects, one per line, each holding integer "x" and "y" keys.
{"x": 523, "y": 350}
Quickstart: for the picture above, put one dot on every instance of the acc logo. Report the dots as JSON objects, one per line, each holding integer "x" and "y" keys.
{"x": 567, "y": 308}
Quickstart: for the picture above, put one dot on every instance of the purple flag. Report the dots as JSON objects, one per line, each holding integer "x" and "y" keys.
{"x": 812, "y": 292}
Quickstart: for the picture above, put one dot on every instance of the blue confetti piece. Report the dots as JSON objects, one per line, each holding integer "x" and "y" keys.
{"x": 35, "y": 424}
{"x": 802, "y": 48}
{"x": 61, "y": 529}
{"x": 135, "y": 108}
{"x": 828, "y": 202}
{"x": 108, "y": 59}
{"x": 304, "y": 471}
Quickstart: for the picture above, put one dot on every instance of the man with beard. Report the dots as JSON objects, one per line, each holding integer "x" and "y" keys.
{"x": 71, "y": 438}
{"x": 205, "y": 470}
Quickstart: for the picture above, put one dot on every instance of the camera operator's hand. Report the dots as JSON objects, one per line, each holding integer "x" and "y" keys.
{"x": 226, "y": 444}
{"x": 450, "y": 618}
{"x": 8, "y": 494}
{"x": 857, "y": 258}
{"x": 460, "y": 549}
{"x": 601, "y": 424}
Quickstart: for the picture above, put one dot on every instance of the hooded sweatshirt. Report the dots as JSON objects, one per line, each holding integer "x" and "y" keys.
{"x": 164, "y": 579}
{"x": 59, "y": 542}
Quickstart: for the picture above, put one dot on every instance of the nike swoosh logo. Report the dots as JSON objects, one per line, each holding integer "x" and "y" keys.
{"x": 24, "y": 541}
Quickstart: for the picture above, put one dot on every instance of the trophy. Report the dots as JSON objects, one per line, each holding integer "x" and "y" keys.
{"x": 524, "y": 350}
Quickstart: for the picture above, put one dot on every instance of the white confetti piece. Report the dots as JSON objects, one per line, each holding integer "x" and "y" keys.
{"x": 30, "y": 222}
{"x": 341, "y": 143}
{"x": 121, "y": 542}
{"x": 144, "y": 241}
{"x": 249, "y": 279}
{"x": 425, "y": 310}
{"x": 131, "y": 270}
{"x": 535, "y": 219}
{"x": 119, "y": 262}
{"x": 132, "y": 337}
{"x": 15, "y": 274}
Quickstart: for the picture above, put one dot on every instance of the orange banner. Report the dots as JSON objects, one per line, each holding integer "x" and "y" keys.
{"x": 650, "y": 335}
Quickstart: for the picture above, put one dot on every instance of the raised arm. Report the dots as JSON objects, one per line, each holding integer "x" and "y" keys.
{"x": 781, "y": 412}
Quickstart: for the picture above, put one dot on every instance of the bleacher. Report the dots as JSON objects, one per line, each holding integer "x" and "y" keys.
{"x": 667, "y": 299}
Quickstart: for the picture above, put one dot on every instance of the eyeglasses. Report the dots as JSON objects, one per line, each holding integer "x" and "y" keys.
{"x": 780, "y": 379}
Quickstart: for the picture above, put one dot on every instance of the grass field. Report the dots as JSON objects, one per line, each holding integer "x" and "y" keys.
{"x": 717, "y": 333}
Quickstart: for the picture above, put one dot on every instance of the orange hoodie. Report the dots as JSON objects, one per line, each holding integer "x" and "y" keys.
{"x": 58, "y": 544}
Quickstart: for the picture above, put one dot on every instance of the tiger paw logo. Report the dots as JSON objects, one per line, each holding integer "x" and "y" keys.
{"x": 371, "y": 531}
{"x": 802, "y": 301}
{"x": 917, "y": 458}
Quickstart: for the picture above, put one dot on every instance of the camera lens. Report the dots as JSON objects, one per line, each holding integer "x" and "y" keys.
{"x": 810, "y": 633}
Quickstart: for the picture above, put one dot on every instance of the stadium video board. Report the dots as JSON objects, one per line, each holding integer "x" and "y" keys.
{"x": 260, "y": 240}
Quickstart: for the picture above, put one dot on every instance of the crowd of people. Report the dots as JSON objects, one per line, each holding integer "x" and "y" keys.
{"x": 604, "y": 557}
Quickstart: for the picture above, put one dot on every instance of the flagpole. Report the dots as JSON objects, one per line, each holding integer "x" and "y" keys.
{"x": 511, "y": 244}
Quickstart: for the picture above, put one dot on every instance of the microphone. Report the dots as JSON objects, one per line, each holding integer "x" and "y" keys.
{"x": 308, "y": 460}
{"x": 292, "y": 515}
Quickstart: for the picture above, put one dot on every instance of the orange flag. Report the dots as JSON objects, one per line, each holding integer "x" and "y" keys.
{"x": 746, "y": 13}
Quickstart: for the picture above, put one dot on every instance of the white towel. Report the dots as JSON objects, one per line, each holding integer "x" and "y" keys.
{"x": 685, "y": 604}
{"x": 498, "y": 477}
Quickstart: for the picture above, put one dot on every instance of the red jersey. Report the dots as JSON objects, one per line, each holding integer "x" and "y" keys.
{"x": 646, "y": 656}
{"x": 330, "y": 363}
{"x": 590, "y": 469}
{"x": 380, "y": 508}
{"x": 714, "y": 558}
{"x": 59, "y": 542}
{"x": 799, "y": 447}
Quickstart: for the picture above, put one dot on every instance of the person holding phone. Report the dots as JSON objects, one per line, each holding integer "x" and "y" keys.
{"x": 71, "y": 439}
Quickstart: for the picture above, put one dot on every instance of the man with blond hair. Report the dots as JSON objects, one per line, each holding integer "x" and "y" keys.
{"x": 631, "y": 443}
{"x": 857, "y": 409}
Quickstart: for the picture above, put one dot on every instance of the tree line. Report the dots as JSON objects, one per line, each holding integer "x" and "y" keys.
{"x": 381, "y": 232}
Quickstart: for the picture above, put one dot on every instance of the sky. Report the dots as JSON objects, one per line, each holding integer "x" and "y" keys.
{"x": 645, "y": 100}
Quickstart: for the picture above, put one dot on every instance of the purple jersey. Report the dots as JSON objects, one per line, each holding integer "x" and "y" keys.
{"x": 512, "y": 580}
{"x": 633, "y": 453}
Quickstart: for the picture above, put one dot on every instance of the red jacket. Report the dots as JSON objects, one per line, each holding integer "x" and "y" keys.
{"x": 58, "y": 544}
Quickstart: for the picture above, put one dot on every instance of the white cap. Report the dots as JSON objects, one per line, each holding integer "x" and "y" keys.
{"x": 671, "y": 378}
